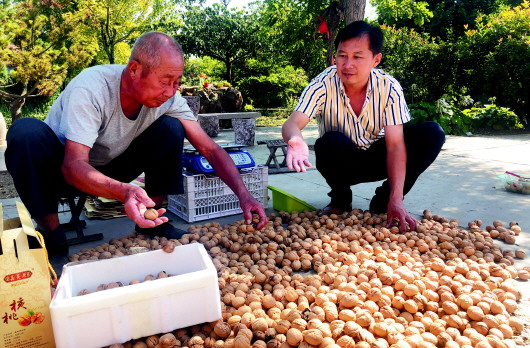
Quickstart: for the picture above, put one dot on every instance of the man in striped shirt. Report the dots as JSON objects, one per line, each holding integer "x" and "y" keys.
{"x": 361, "y": 112}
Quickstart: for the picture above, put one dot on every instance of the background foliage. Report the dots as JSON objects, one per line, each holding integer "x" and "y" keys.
{"x": 464, "y": 64}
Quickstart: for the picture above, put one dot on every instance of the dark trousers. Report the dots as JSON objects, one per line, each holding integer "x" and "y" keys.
{"x": 34, "y": 157}
{"x": 343, "y": 164}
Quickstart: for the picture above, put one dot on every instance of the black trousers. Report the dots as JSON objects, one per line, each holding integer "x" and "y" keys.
{"x": 34, "y": 157}
{"x": 343, "y": 164}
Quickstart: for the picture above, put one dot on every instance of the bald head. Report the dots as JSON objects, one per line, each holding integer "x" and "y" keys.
{"x": 148, "y": 47}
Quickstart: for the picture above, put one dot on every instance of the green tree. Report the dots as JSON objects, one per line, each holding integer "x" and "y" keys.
{"x": 122, "y": 21}
{"x": 229, "y": 36}
{"x": 402, "y": 13}
{"x": 289, "y": 29}
{"x": 493, "y": 59}
{"x": 446, "y": 19}
{"x": 406, "y": 53}
{"x": 292, "y": 29}
{"x": 40, "y": 41}
{"x": 452, "y": 17}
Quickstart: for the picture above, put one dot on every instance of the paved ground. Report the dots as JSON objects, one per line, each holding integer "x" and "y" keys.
{"x": 461, "y": 184}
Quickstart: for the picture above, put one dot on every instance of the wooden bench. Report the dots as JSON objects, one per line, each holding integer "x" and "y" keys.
{"x": 244, "y": 124}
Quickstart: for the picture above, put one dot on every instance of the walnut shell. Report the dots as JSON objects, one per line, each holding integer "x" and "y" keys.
{"x": 312, "y": 336}
{"x": 241, "y": 341}
{"x": 167, "y": 340}
{"x": 151, "y": 214}
{"x": 222, "y": 329}
{"x": 294, "y": 337}
{"x": 260, "y": 324}
{"x": 152, "y": 341}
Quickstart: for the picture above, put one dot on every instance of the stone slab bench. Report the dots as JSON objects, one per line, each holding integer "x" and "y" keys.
{"x": 243, "y": 123}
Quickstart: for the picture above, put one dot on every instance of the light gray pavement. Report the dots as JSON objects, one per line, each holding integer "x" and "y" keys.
{"x": 462, "y": 183}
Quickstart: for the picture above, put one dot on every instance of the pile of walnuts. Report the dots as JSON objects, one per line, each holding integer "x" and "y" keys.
{"x": 118, "y": 284}
{"x": 346, "y": 280}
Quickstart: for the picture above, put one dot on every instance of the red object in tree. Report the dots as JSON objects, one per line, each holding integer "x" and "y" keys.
{"x": 206, "y": 84}
{"x": 323, "y": 27}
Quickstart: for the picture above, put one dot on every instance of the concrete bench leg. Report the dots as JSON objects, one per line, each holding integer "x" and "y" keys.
{"x": 210, "y": 125}
{"x": 245, "y": 131}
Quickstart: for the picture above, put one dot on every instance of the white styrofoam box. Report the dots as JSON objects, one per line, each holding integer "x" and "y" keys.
{"x": 117, "y": 315}
{"x": 208, "y": 197}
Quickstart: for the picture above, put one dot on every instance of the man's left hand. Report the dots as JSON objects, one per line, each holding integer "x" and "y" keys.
{"x": 249, "y": 205}
{"x": 396, "y": 210}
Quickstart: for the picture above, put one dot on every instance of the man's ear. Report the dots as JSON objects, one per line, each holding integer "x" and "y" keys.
{"x": 135, "y": 68}
{"x": 377, "y": 59}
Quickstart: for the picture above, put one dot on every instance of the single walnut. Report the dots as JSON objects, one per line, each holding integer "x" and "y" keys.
{"x": 241, "y": 341}
{"x": 149, "y": 277}
{"x": 169, "y": 247}
{"x": 222, "y": 329}
{"x": 151, "y": 214}
{"x": 113, "y": 285}
{"x": 83, "y": 292}
{"x": 152, "y": 341}
{"x": 167, "y": 340}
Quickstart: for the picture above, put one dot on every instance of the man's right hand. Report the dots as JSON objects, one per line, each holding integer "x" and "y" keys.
{"x": 136, "y": 203}
{"x": 297, "y": 155}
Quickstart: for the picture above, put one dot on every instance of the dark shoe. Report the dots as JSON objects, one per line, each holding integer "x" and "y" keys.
{"x": 54, "y": 241}
{"x": 377, "y": 205}
{"x": 56, "y": 247}
{"x": 164, "y": 230}
{"x": 330, "y": 209}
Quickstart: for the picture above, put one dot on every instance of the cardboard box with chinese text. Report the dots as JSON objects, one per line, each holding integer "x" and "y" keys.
{"x": 24, "y": 286}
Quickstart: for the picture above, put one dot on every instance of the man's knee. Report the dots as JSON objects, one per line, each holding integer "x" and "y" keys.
{"x": 168, "y": 130}
{"x": 171, "y": 125}
{"x": 25, "y": 129}
{"x": 330, "y": 142}
{"x": 429, "y": 134}
{"x": 433, "y": 131}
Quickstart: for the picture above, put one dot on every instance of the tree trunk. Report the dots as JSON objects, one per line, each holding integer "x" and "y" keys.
{"x": 228, "y": 64}
{"x": 16, "y": 108}
{"x": 111, "y": 55}
{"x": 3, "y": 130}
{"x": 330, "y": 56}
{"x": 352, "y": 10}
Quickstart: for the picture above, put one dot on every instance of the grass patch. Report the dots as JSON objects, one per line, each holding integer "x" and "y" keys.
{"x": 39, "y": 111}
{"x": 274, "y": 118}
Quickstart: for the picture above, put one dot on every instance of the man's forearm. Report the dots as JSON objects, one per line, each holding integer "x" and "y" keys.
{"x": 290, "y": 130}
{"x": 396, "y": 162}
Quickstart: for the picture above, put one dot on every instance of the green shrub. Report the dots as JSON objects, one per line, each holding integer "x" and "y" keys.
{"x": 277, "y": 117}
{"x": 445, "y": 113}
{"x": 493, "y": 117}
{"x": 273, "y": 90}
{"x": 193, "y": 67}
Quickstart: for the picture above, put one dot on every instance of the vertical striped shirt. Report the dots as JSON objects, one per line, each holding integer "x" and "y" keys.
{"x": 326, "y": 100}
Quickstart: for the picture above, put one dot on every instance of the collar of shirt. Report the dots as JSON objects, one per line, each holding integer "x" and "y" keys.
{"x": 369, "y": 87}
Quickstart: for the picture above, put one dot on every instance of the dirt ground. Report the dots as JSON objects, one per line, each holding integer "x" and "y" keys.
{"x": 7, "y": 189}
